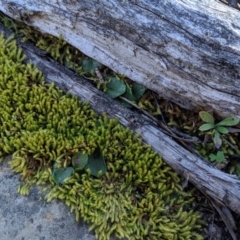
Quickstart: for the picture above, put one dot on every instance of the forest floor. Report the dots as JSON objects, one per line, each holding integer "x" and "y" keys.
{"x": 30, "y": 219}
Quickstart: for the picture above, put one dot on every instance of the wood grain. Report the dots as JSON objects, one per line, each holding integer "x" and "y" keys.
{"x": 187, "y": 51}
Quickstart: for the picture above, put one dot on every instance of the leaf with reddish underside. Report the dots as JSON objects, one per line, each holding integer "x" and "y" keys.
{"x": 79, "y": 161}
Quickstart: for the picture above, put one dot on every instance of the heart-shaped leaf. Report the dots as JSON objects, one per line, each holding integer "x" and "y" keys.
{"x": 219, "y": 157}
{"x": 89, "y": 65}
{"x": 206, "y": 117}
{"x": 212, "y": 157}
{"x": 128, "y": 93}
{"x": 96, "y": 164}
{"x": 138, "y": 90}
{"x": 230, "y": 121}
{"x": 206, "y": 126}
{"x": 61, "y": 174}
{"x": 79, "y": 161}
{"x": 115, "y": 87}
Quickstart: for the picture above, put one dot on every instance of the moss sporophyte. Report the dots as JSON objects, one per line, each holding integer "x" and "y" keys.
{"x": 49, "y": 134}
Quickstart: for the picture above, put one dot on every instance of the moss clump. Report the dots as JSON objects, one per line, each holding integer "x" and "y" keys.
{"x": 138, "y": 198}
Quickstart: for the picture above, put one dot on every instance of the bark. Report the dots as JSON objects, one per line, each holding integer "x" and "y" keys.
{"x": 222, "y": 187}
{"x": 187, "y": 51}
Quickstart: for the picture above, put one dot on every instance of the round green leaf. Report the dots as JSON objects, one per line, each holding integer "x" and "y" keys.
{"x": 115, "y": 88}
{"x": 96, "y": 164}
{"x": 230, "y": 121}
{"x": 61, "y": 174}
{"x": 128, "y": 93}
{"x": 206, "y": 126}
{"x": 89, "y": 65}
{"x": 222, "y": 129}
{"x": 206, "y": 117}
{"x": 79, "y": 161}
{"x": 138, "y": 90}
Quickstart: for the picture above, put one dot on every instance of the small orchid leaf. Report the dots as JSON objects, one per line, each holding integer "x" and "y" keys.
{"x": 115, "y": 87}
{"x": 138, "y": 90}
{"x": 79, "y": 161}
{"x": 220, "y": 156}
{"x": 206, "y": 126}
{"x": 61, "y": 174}
{"x": 217, "y": 140}
{"x": 206, "y": 117}
{"x": 230, "y": 121}
{"x": 128, "y": 94}
{"x": 96, "y": 164}
{"x": 222, "y": 129}
{"x": 89, "y": 65}
{"x": 212, "y": 157}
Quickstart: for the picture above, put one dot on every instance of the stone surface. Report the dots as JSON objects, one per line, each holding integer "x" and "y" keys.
{"x": 30, "y": 217}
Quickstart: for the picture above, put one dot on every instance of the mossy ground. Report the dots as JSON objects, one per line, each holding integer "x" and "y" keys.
{"x": 139, "y": 197}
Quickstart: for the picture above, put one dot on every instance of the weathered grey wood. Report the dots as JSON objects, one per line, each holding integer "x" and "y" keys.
{"x": 186, "y": 50}
{"x": 224, "y": 188}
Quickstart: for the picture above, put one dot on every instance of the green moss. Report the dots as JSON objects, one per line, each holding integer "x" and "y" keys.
{"x": 57, "y": 48}
{"x": 139, "y": 197}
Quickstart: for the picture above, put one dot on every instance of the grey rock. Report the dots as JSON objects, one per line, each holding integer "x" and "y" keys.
{"x": 30, "y": 217}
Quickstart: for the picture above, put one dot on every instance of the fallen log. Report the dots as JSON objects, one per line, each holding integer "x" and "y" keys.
{"x": 222, "y": 187}
{"x": 187, "y": 51}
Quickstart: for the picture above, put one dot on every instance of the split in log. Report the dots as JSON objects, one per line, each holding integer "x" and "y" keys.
{"x": 187, "y": 51}
{"x": 222, "y": 187}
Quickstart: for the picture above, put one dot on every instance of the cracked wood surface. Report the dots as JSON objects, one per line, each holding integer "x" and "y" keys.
{"x": 187, "y": 51}
{"x": 223, "y": 188}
